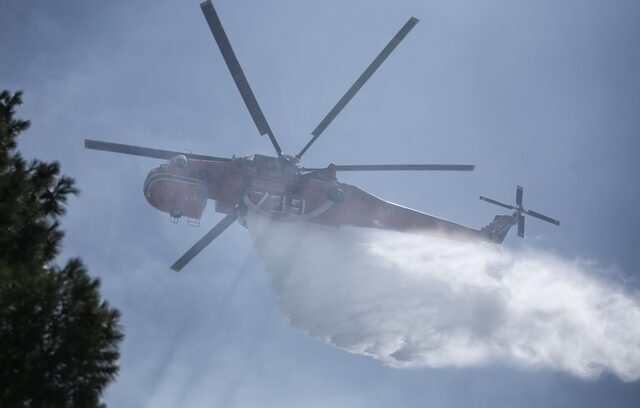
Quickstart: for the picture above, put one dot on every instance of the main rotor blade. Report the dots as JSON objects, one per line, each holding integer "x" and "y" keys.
{"x": 236, "y": 72}
{"x": 407, "y": 167}
{"x": 489, "y": 200}
{"x": 204, "y": 241}
{"x": 542, "y": 217}
{"x": 519, "y": 191}
{"x": 360, "y": 82}
{"x": 145, "y": 151}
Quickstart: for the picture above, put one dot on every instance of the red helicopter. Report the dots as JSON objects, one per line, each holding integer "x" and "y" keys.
{"x": 278, "y": 187}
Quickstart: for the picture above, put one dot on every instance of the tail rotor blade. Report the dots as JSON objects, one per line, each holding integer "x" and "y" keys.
{"x": 360, "y": 82}
{"x": 542, "y": 217}
{"x": 518, "y": 215}
{"x": 145, "y": 151}
{"x": 521, "y": 225}
{"x": 203, "y": 242}
{"x": 519, "y": 192}
{"x": 489, "y": 200}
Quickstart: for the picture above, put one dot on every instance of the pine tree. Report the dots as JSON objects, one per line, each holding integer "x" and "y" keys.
{"x": 58, "y": 340}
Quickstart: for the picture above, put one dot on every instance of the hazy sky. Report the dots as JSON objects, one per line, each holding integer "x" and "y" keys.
{"x": 544, "y": 94}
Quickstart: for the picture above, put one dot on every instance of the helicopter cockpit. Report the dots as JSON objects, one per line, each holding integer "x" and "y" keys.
{"x": 171, "y": 189}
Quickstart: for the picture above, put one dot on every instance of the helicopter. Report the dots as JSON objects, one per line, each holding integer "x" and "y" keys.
{"x": 278, "y": 187}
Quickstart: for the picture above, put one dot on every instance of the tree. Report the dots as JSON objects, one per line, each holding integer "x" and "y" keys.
{"x": 58, "y": 340}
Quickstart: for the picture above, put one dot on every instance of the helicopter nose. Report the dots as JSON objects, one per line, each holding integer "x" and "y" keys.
{"x": 146, "y": 188}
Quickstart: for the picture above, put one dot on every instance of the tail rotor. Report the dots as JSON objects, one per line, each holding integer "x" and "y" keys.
{"x": 520, "y": 211}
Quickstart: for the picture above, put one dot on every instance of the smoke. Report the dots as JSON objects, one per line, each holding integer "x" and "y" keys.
{"x": 421, "y": 301}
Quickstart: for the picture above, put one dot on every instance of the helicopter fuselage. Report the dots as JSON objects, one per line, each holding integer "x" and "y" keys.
{"x": 278, "y": 189}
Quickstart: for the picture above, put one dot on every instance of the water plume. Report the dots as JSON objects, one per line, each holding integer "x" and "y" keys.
{"x": 413, "y": 300}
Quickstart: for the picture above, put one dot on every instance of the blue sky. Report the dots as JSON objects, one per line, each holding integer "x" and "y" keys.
{"x": 538, "y": 93}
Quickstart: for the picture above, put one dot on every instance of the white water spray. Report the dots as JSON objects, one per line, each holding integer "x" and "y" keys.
{"x": 420, "y": 301}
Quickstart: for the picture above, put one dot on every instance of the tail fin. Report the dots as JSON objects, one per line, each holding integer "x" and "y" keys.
{"x": 497, "y": 230}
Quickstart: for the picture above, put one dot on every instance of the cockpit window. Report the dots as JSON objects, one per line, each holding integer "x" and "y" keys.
{"x": 179, "y": 161}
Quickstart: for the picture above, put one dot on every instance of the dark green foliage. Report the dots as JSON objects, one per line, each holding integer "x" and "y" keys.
{"x": 58, "y": 340}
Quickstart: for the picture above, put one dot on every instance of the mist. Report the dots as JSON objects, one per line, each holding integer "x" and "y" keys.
{"x": 411, "y": 300}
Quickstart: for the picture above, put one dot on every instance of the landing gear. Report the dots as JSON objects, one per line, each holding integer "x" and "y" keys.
{"x": 174, "y": 216}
